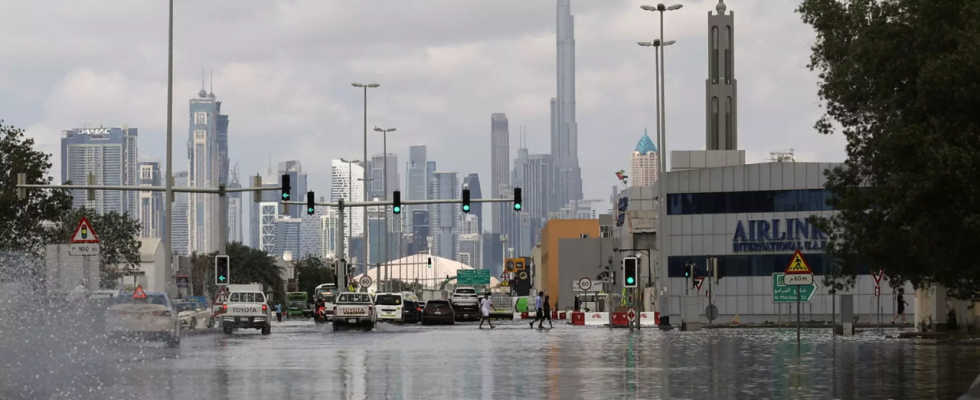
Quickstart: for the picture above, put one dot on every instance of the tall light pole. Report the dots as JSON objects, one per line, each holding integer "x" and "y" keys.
{"x": 350, "y": 197}
{"x": 662, "y": 178}
{"x": 168, "y": 185}
{"x": 661, "y": 128}
{"x": 384, "y": 180}
{"x": 367, "y": 238}
{"x": 367, "y": 245}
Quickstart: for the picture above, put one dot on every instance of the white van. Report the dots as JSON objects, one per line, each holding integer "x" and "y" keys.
{"x": 390, "y": 306}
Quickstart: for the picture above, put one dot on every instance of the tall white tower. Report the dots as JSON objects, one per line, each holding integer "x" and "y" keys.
{"x": 721, "y": 109}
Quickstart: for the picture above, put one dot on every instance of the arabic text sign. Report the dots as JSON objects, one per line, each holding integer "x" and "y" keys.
{"x": 781, "y": 293}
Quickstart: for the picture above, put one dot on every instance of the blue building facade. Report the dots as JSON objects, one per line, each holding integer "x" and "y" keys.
{"x": 111, "y": 155}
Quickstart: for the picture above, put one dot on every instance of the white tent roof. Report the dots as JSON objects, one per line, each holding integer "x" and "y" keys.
{"x": 415, "y": 266}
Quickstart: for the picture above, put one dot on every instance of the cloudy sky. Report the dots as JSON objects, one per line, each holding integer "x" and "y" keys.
{"x": 283, "y": 70}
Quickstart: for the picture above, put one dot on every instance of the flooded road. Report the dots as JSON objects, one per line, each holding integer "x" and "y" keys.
{"x": 302, "y": 361}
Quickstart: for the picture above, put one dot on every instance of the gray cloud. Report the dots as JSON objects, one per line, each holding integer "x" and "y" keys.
{"x": 283, "y": 70}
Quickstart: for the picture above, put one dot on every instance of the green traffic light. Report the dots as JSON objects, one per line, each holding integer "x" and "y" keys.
{"x": 397, "y": 209}
{"x": 285, "y": 196}
{"x": 309, "y": 210}
{"x": 517, "y": 206}
{"x": 629, "y": 280}
{"x": 466, "y": 207}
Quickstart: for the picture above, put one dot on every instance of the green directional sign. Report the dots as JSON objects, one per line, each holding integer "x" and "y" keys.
{"x": 787, "y": 294}
{"x": 472, "y": 277}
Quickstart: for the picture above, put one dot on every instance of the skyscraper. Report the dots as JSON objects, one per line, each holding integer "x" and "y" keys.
{"x": 205, "y": 169}
{"x": 500, "y": 170}
{"x": 328, "y": 233}
{"x": 346, "y": 186}
{"x": 564, "y": 128}
{"x": 443, "y": 216}
{"x": 235, "y": 208}
{"x": 179, "y": 220}
{"x": 377, "y": 176}
{"x": 420, "y": 232}
{"x": 108, "y": 153}
{"x": 150, "y": 203}
{"x": 721, "y": 110}
{"x": 472, "y": 181}
{"x": 417, "y": 185}
{"x": 644, "y": 162}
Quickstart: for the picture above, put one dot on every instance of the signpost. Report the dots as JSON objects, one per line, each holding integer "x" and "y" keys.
{"x": 878, "y": 277}
{"x": 84, "y": 242}
{"x": 585, "y": 284}
{"x": 798, "y": 274}
{"x": 631, "y": 314}
{"x": 472, "y": 277}
{"x": 365, "y": 281}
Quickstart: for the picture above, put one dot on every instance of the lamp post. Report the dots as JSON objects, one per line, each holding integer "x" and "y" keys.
{"x": 661, "y": 8}
{"x": 168, "y": 184}
{"x": 658, "y": 46}
{"x": 367, "y": 238}
{"x": 384, "y": 181}
{"x": 365, "y": 86}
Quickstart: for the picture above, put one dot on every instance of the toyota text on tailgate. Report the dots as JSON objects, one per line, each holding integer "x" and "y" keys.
{"x": 246, "y": 310}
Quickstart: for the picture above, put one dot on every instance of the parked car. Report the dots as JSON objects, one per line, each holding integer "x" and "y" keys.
{"x": 411, "y": 312}
{"x": 193, "y": 314}
{"x": 438, "y": 312}
{"x": 143, "y": 315}
{"x": 466, "y": 303}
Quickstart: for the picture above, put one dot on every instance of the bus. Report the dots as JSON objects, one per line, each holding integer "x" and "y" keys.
{"x": 298, "y": 304}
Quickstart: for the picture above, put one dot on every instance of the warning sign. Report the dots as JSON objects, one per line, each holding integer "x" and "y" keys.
{"x": 139, "y": 293}
{"x": 797, "y": 265}
{"x": 84, "y": 233}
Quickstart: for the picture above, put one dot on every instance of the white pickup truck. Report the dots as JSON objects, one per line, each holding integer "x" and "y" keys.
{"x": 354, "y": 309}
{"x": 246, "y": 309}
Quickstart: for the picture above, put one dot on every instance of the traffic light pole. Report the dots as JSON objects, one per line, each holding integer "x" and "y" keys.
{"x": 341, "y": 206}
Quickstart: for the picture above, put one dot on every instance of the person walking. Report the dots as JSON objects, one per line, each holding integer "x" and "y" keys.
{"x": 485, "y": 306}
{"x": 547, "y": 313}
{"x": 279, "y": 312}
{"x": 901, "y": 306}
{"x": 538, "y": 309}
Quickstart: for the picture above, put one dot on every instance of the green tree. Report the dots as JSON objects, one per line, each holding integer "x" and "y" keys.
{"x": 119, "y": 244}
{"x": 898, "y": 79}
{"x": 23, "y": 219}
{"x": 312, "y": 271}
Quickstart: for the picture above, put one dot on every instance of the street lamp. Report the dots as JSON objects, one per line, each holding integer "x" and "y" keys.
{"x": 661, "y": 128}
{"x": 384, "y": 180}
{"x": 168, "y": 185}
{"x": 365, "y": 86}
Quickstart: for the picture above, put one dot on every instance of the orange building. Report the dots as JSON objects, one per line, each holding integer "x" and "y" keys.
{"x": 553, "y": 231}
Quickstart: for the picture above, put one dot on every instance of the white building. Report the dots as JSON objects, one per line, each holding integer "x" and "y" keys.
{"x": 328, "y": 234}
{"x": 150, "y": 203}
{"x": 204, "y": 167}
{"x": 345, "y": 185}
{"x": 644, "y": 162}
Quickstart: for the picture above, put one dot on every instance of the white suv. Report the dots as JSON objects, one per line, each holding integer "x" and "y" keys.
{"x": 466, "y": 303}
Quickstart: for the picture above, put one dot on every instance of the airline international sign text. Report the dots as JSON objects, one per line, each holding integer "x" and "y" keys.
{"x": 777, "y": 235}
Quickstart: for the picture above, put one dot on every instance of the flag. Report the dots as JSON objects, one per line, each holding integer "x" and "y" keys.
{"x": 621, "y": 175}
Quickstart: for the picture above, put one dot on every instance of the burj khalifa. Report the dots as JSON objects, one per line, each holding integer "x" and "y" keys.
{"x": 564, "y": 128}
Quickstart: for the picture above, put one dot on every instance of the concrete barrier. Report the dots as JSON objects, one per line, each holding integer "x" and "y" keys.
{"x": 650, "y": 318}
{"x": 596, "y": 318}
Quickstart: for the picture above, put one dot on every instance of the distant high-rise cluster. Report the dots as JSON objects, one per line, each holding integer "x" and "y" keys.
{"x": 109, "y": 155}
{"x": 207, "y": 150}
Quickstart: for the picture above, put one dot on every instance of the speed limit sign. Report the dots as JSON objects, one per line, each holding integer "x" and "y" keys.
{"x": 585, "y": 284}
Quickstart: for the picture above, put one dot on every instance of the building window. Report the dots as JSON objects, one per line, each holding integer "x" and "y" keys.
{"x": 765, "y": 201}
{"x": 713, "y": 124}
{"x": 201, "y": 118}
{"x": 714, "y": 55}
{"x": 729, "y": 131}
{"x": 200, "y": 135}
{"x": 728, "y": 56}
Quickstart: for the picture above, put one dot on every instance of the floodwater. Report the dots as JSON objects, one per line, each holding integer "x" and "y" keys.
{"x": 300, "y": 360}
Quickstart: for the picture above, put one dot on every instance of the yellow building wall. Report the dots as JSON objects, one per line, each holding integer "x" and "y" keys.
{"x": 553, "y": 231}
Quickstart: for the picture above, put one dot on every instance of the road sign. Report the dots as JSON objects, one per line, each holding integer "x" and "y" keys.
{"x": 606, "y": 279}
{"x": 798, "y": 279}
{"x": 84, "y": 233}
{"x": 139, "y": 293}
{"x": 523, "y": 275}
{"x": 365, "y": 281}
{"x": 698, "y": 282}
{"x": 787, "y": 294}
{"x": 83, "y": 249}
{"x": 797, "y": 265}
{"x": 631, "y": 314}
{"x": 466, "y": 277}
{"x": 878, "y": 276}
{"x": 711, "y": 311}
{"x": 579, "y": 285}
{"x": 585, "y": 284}
{"x": 877, "y": 291}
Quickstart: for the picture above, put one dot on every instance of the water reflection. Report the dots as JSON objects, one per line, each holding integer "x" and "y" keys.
{"x": 303, "y": 362}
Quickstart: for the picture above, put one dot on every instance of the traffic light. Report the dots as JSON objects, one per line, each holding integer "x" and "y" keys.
{"x": 286, "y": 188}
{"x": 396, "y": 202}
{"x": 466, "y": 200}
{"x": 430, "y": 262}
{"x": 629, "y": 271}
{"x": 222, "y": 270}
{"x": 517, "y": 199}
{"x": 690, "y": 272}
{"x": 447, "y": 278}
{"x": 309, "y": 203}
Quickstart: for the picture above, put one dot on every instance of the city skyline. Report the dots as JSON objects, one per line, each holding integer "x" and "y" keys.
{"x": 262, "y": 94}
